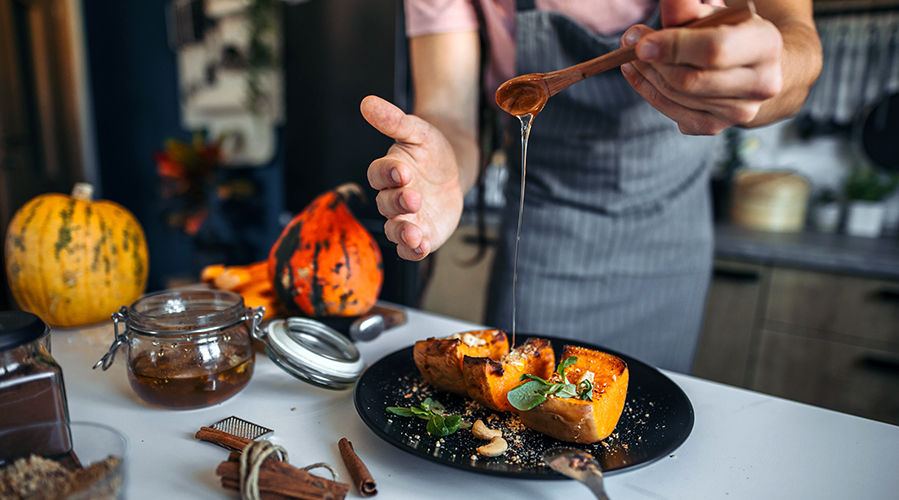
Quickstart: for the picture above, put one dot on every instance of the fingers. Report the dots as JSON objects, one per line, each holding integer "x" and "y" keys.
{"x": 387, "y": 173}
{"x": 411, "y": 243}
{"x": 747, "y": 44}
{"x": 677, "y": 12}
{"x": 393, "y": 202}
{"x": 690, "y": 121}
{"x": 710, "y": 78}
{"x": 390, "y": 120}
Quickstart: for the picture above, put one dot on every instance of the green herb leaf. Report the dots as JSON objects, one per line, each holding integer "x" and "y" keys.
{"x": 452, "y": 423}
{"x": 566, "y": 391}
{"x": 398, "y": 410}
{"x": 527, "y": 376}
{"x": 570, "y": 360}
{"x": 527, "y": 395}
{"x": 438, "y": 424}
{"x": 420, "y": 412}
{"x": 535, "y": 391}
{"x": 433, "y": 406}
{"x": 585, "y": 390}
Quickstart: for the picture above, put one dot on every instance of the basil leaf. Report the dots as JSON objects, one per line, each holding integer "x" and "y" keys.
{"x": 566, "y": 391}
{"x": 464, "y": 424}
{"x": 533, "y": 377}
{"x": 437, "y": 426}
{"x": 585, "y": 390}
{"x": 527, "y": 395}
{"x": 434, "y": 406}
{"x": 420, "y": 412}
{"x": 452, "y": 423}
{"x": 398, "y": 410}
{"x": 570, "y": 360}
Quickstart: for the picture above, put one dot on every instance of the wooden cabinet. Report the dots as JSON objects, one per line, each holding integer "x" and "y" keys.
{"x": 723, "y": 354}
{"x": 825, "y": 339}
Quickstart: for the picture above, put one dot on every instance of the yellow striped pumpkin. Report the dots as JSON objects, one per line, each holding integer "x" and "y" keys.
{"x": 74, "y": 261}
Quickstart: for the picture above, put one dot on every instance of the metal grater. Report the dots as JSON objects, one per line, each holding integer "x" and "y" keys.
{"x": 241, "y": 428}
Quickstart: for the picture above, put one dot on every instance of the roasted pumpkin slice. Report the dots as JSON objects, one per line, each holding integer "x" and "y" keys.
{"x": 489, "y": 380}
{"x": 577, "y": 420}
{"x": 440, "y": 360}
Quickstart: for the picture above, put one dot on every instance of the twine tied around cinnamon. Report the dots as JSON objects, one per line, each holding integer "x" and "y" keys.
{"x": 251, "y": 461}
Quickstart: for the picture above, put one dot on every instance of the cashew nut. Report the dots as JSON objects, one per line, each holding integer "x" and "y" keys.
{"x": 481, "y": 431}
{"x": 497, "y": 446}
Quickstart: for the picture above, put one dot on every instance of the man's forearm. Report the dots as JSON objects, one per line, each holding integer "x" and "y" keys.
{"x": 801, "y": 66}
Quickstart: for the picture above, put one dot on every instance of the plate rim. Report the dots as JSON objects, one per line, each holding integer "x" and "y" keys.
{"x": 526, "y": 475}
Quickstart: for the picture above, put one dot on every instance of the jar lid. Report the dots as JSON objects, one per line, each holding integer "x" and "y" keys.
{"x": 313, "y": 352}
{"x": 19, "y": 327}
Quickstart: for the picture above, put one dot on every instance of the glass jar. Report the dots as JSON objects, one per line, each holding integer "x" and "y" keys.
{"x": 31, "y": 388}
{"x": 187, "y": 348}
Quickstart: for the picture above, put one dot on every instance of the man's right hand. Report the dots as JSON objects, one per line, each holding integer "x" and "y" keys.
{"x": 417, "y": 180}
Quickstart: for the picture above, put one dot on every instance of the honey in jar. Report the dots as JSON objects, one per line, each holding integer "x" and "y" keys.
{"x": 187, "y": 348}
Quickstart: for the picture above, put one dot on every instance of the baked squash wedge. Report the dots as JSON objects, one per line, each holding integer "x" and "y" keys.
{"x": 440, "y": 360}
{"x": 489, "y": 380}
{"x": 577, "y": 419}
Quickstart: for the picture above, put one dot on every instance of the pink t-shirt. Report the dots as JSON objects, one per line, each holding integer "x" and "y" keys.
{"x": 426, "y": 17}
{"x": 606, "y": 17}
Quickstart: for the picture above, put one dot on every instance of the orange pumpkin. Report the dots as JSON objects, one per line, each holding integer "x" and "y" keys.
{"x": 578, "y": 421}
{"x": 74, "y": 261}
{"x": 489, "y": 381}
{"x": 440, "y": 360}
{"x": 325, "y": 263}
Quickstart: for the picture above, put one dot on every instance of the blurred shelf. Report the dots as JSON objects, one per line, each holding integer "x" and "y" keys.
{"x": 827, "y": 252}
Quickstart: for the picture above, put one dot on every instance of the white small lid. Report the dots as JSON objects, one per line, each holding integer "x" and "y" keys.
{"x": 313, "y": 352}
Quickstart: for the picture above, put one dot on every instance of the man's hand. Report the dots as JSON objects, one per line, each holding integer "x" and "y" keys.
{"x": 417, "y": 180}
{"x": 708, "y": 79}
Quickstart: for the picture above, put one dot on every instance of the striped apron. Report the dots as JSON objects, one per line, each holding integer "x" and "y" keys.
{"x": 616, "y": 241}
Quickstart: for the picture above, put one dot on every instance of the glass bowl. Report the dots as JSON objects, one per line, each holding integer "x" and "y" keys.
{"x": 99, "y": 450}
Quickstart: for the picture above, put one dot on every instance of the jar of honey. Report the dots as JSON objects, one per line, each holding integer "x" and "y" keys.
{"x": 188, "y": 348}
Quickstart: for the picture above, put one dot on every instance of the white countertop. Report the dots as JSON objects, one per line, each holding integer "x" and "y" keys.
{"x": 743, "y": 444}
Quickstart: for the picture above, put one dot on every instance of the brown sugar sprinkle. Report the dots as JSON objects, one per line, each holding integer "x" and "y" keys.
{"x": 37, "y": 477}
{"x": 526, "y": 446}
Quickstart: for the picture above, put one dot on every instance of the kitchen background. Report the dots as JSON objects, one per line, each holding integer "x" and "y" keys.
{"x": 805, "y": 299}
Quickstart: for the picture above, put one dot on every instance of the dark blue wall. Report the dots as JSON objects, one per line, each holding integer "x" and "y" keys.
{"x": 133, "y": 80}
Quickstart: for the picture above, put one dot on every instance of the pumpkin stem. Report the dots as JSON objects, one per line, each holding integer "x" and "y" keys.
{"x": 350, "y": 190}
{"x": 83, "y": 191}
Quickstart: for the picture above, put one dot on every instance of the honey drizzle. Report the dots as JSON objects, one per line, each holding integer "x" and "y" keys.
{"x": 526, "y": 121}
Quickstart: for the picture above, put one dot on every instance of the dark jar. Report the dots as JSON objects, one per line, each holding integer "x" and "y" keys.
{"x": 187, "y": 348}
{"x": 31, "y": 389}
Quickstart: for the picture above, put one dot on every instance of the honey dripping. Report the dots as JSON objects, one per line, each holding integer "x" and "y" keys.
{"x": 526, "y": 120}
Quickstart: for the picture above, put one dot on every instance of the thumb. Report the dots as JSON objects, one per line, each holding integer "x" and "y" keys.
{"x": 677, "y": 12}
{"x": 389, "y": 119}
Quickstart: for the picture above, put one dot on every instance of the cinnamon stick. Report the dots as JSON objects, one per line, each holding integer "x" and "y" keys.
{"x": 222, "y": 438}
{"x": 283, "y": 479}
{"x": 358, "y": 471}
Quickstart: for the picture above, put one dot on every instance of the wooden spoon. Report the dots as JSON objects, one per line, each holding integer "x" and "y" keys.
{"x": 527, "y": 94}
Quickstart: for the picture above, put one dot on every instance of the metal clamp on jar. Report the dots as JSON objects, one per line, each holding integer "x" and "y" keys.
{"x": 188, "y": 348}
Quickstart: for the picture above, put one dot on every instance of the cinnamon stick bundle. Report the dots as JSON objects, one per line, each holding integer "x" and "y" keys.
{"x": 280, "y": 480}
{"x": 358, "y": 471}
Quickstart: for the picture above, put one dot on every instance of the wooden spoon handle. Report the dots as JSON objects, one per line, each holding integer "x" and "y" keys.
{"x": 558, "y": 80}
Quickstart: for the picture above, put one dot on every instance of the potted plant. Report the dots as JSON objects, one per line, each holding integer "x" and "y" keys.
{"x": 865, "y": 189}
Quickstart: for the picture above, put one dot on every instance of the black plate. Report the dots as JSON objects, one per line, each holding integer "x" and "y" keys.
{"x": 657, "y": 418}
